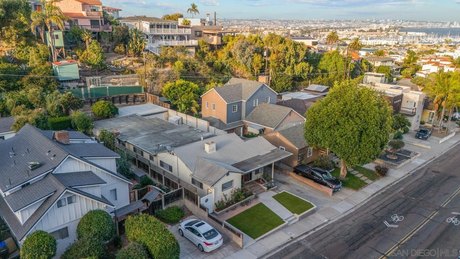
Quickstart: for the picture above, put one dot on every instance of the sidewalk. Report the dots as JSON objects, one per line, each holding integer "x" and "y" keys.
{"x": 346, "y": 201}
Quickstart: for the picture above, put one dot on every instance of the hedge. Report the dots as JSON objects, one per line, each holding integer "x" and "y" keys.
{"x": 96, "y": 224}
{"x": 150, "y": 232}
{"x": 133, "y": 251}
{"x": 104, "y": 109}
{"x": 170, "y": 215}
{"x": 60, "y": 123}
{"x": 85, "y": 248}
{"x": 39, "y": 244}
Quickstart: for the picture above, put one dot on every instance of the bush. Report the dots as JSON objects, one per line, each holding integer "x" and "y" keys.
{"x": 170, "y": 215}
{"x": 96, "y": 224}
{"x": 59, "y": 123}
{"x": 107, "y": 138}
{"x": 145, "y": 181}
{"x": 398, "y": 135}
{"x": 153, "y": 234}
{"x": 39, "y": 244}
{"x": 85, "y": 248}
{"x": 324, "y": 162}
{"x": 81, "y": 122}
{"x": 133, "y": 251}
{"x": 381, "y": 170}
{"x": 396, "y": 144}
{"x": 104, "y": 109}
{"x": 236, "y": 196}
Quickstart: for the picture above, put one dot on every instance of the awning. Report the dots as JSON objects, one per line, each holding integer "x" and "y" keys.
{"x": 134, "y": 207}
{"x": 260, "y": 161}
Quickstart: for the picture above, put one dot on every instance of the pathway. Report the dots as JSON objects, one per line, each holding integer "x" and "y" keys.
{"x": 267, "y": 199}
{"x": 360, "y": 176}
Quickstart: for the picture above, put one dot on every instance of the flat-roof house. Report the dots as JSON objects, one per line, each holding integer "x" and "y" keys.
{"x": 226, "y": 107}
{"x": 49, "y": 180}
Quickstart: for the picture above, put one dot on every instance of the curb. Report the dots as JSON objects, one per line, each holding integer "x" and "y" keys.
{"x": 322, "y": 225}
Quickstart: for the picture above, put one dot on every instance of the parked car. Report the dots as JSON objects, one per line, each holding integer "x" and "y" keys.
{"x": 319, "y": 175}
{"x": 200, "y": 233}
{"x": 423, "y": 133}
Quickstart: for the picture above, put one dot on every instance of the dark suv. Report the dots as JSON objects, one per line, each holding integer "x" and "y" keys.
{"x": 319, "y": 175}
{"x": 423, "y": 133}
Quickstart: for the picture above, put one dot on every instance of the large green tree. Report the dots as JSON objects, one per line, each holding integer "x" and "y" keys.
{"x": 14, "y": 23}
{"x": 136, "y": 43}
{"x": 183, "y": 95}
{"x": 93, "y": 56}
{"x": 39, "y": 244}
{"x": 351, "y": 121}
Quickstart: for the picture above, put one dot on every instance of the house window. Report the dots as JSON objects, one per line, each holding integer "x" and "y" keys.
{"x": 255, "y": 102}
{"x": 71, "y": 199}
{"x": 227, "y": 185}
{"x": 60, "y": 233}
{"x": 207, "y": 105}
{"x": 166, "y": 166}
{"x": 213, "y": 106}
{"x": 113, "y": 194}
{"x": 282, "y": 148}
{"x": 309, "y": 152}
{"x": 198, "y": 33}
{"x": 62, "y": 202}
{"x": 268, "y": 99}
{"x": 234, "y": 108}
{"x": 197, "y": 183}
{"x": 151, "y": 157}
{"x": 56, "y": 36}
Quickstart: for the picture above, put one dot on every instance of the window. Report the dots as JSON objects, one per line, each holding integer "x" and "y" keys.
{"x": 234, "y": 108}
{"x": 113, "y": 194}
{"x": 60, "y": 233}
{"x": 207, "y": 105}
{"x": 151, "y": 157}
{"x": 166, "y": 166}
{"x": 56, "y": 36}
{"x": 213, "y": 106}
{"x": 282, "y": 148}
{"x": 309, "y": 152}
{"x": 268, "y": 99}
{"x": 255, "y": 102}
{"x": 62, "y": 202}
{"x": 198, "y": 33}
{"x": 227, "y": 185}
{"x": 197, "y": 183}
{"x": 71, "y": 199}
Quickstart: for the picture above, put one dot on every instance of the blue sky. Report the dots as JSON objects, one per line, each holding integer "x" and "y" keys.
{"x": 433, "y": 10}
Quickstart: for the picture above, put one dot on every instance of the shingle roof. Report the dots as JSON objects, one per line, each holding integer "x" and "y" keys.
{"x": 72, "y": 134}
{"x": 6, "y": 123}
{"x": 295, "y": 135}
{"x": 210, "y": 171}
{"x": 238, "y": 89}
{"x": 30, "y": 194}
{"x": 268, "y": 115}
{"x": 300, "y": 106}
{"x": 79, "y": 179}
{"x": 89, "y": 150}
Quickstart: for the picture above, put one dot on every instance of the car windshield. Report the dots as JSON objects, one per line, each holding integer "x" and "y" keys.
{"x": 210, "y": 234}
{"x": 424, "y": 131}
{"x": 328, "y": 176}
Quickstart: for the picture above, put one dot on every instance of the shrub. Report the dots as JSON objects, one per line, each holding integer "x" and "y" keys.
{"x": 324, "y": 162}
{"x": 145, "y": 181}
{"x": 170, "y": 215}
{"x": 398, "y": 135}
{"x": 107, "y": 138}
{"x": 153, "y": 234}
{"x": 396, "y": 144}
{"x": 96, "y": 224}
{"x": 104, "y": 109}
{"x": 236, "y": 196}
{"x": 85, "y": 248}
{"x": 133, "y": 251}
{"x": 381, "y": 170}
{"x": 39, "y": 244}
{"x": 81, "y": 122}
{"x": 59, "y": 123}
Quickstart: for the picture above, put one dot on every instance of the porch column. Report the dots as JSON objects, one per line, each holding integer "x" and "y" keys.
{"x": 273, "y": 172}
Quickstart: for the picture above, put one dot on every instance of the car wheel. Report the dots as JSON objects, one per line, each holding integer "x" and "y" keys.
{"x": 200, "y": 247}
{"x": 181, "y": 233}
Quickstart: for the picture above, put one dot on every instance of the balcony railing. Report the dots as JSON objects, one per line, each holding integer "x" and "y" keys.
{"x": 93, "y": 13}
{"x": 408, "y": 111}
{"x": 164, "y": 31}
{"x": 172, "y": 43}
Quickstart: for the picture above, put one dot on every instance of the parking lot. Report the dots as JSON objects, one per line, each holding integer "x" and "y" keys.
{"x": 190, "y": 251}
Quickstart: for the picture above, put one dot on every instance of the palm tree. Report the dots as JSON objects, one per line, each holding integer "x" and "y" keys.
{"x": 86, "y": 36}
{"x": 193, "y": 10}
{"x": 38, "y": 21}
{"x": 332, "y": 38}
{"x": 53, "y": 17}
{"x": 355, "y": 45}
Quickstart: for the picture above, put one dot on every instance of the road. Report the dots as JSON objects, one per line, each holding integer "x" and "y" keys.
{"x": 425, "y": 199}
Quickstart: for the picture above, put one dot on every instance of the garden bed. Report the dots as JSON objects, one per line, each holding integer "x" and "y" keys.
{"x": 351, "y": 181}
{"x": 293, "y": 203}
{"x": 256, "y": 221}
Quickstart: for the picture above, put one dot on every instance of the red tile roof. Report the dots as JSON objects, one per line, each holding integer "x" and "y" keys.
{"x": 91, "y": 2}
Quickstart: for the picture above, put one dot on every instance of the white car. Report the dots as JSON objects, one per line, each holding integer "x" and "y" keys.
{"x": 205, "y": 237}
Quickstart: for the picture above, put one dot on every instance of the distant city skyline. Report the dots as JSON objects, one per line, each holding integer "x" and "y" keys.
{"x": 422, "y": 10}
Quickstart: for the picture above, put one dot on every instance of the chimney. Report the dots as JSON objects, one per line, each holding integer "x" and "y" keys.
{"x": 210, "y": 147}
{"x": 62, "y": 136}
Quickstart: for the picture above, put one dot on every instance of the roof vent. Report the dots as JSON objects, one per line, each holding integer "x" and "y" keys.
{"x": 210, "y": 147}
{"x": 34, "y": 165}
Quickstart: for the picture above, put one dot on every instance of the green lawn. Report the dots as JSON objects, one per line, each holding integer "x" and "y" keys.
{"x": 371, "y": 175}
{"x": 293, "y": 203}
{"x": 256, "y": 221}
{"x": 350, "y": 181}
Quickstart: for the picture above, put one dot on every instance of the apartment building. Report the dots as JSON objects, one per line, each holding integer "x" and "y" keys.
{"x": 86, "y": 14}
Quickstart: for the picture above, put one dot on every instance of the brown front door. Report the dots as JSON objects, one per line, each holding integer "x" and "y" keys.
{"x": 247, "y": 177}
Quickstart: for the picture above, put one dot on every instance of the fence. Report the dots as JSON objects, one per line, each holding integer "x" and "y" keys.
{"x": 195, "y": 122}
{"x": 155, "y": 99}
{"x": 118, "y": 80}
{"x": 172, "y": 196}
{"x": 104, "y": 91}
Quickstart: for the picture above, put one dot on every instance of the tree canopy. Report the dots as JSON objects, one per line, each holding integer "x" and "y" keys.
{"x": 39, "y": 244}
{"x": 183, "y": 95}
{"x": 96, "y": 224}
{"x": 353, "y": 122}
{"x": 104, "y": 109}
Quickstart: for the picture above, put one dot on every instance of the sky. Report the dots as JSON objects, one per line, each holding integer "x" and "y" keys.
{"x": 423, "y": 10}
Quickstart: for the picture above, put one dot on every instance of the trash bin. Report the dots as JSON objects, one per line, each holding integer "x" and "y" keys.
{"x": 3, "y": 250}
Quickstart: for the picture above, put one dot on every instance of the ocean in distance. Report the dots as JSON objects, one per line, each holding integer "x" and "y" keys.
{"x": 434, "y": 31}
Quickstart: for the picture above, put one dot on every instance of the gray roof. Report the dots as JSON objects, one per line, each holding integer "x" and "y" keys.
{"x": 262, "y": 160}
{"x": 152, "y": 135}
{"x": 6, "y": 123}
{"x": 317, "y": 88}
{"x": 269, "y": 115}
{"x": 89, "y": 150}
{"x": 218, "y": 169}
{"x": 31, "y": 193}
{"x": 145, "y": 109}
{"x": 238, "y": 89}
{"x": 72, "y": 134}
{"x": 300, "y": 106}
{"x": 295, "y": 135}
{"x": 217, "y": 123}
{"x": 79, "y": 179}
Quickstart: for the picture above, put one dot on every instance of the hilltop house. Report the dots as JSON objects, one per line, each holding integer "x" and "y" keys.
{"x": 49, "y": 180}
{"x": 226, "y": 107}
{"x": 86, "y": 14}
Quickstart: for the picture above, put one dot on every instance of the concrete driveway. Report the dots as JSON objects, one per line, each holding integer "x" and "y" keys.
{"x": 190, "y": 251}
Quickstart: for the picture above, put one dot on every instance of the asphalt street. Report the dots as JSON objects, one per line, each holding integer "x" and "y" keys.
{"x": 408, "y": 220}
